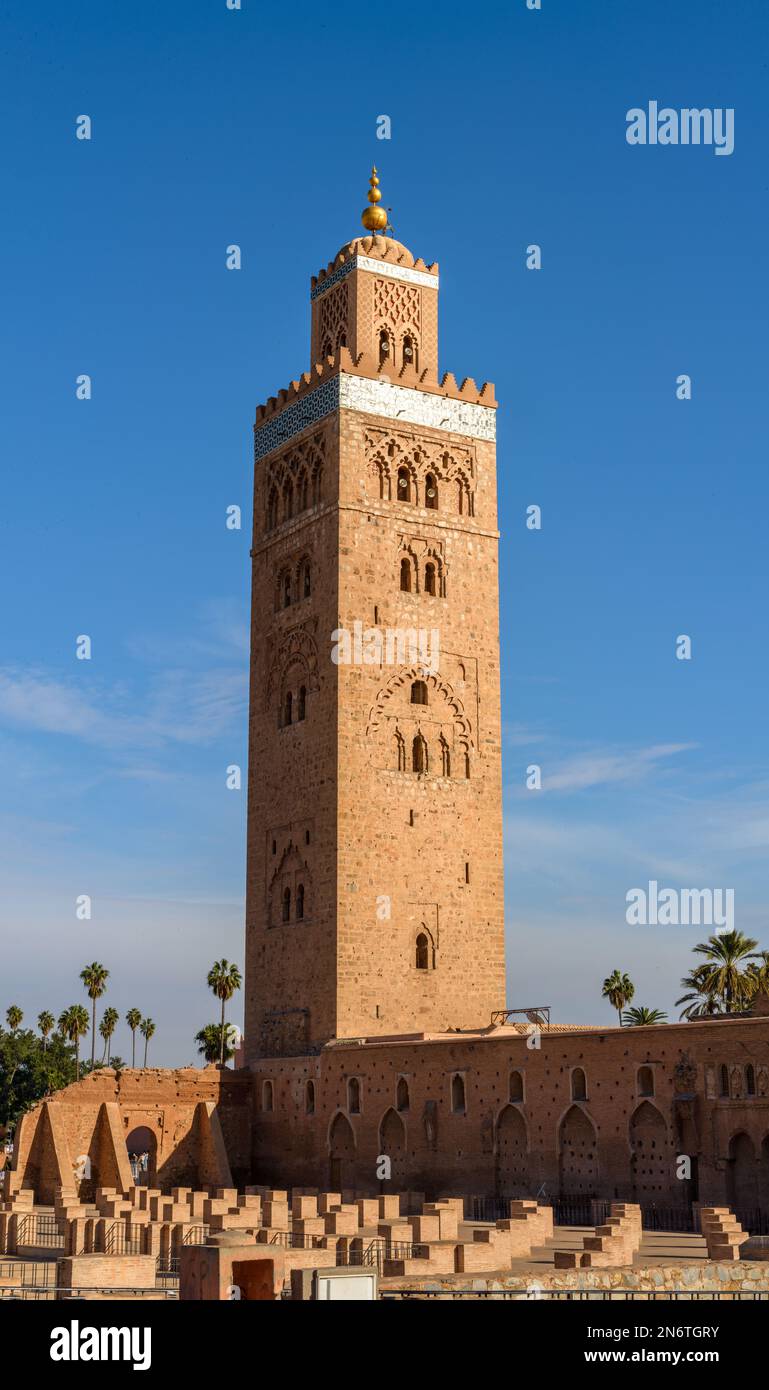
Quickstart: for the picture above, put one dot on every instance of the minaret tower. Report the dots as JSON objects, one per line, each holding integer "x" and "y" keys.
{"x": 374, "y": 873}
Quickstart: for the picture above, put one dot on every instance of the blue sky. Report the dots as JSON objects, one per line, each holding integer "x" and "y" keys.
{"x": 258, "y": 127}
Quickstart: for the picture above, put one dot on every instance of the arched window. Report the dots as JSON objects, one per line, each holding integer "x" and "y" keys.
{"x": 406, "y": 575}
{"x": 304, "y": 493}
{"x": 326, "y": 350}
{"x": 750, "y": 1080}
{"x": 516, "y": 1086}
{"x": 286, "y": 591}
{"x": 409, "y": 352}
{"x": 402, "y": 1094}
{"x": 306, "y": 580}
{"x": 353, "y": 1095}
{"x": 458, "y": 1095}
{"x": 301, "y": 711}
{"x": 400, "y": 752}
{"x": 723, "y": 1074}
{"x": 300, "y": 902}
{"x": 286, "y": 904}
{"x": 645, "y": 1081}
{"x": 418, "y": 693}
{"x": 288, "y": 502}
{"x": 288, "y": 708}
{"x": 430, "y": 579}
{"x": 317, "y": 487}
{"x": 272, "y": 510}
{"x": 423, "y": 952}
{"x": 267, "y": 1098}
{"x": 431, "y": 492}
{"x": 404, "y": 485}
{"x": 418, "y": 754}
{"x": 445, "y": 758}
{"x": 309, "y": 1098}
{"x": 578, "y": 1084}
{"x": 384, "y": 346}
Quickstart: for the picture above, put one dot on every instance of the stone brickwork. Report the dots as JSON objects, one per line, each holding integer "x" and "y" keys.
{"x": 374, "y": 878}
{"x": 593, "y": 1112}
{"x": 196, "y": 1124}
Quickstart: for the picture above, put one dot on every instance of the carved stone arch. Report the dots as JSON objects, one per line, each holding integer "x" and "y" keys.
{"x": 465, "y": 493}
{"x": 404, "y": 678}
{"x": 341, "y": 1152}
{"x": 405, "y": 464}
{"x": 511, "y": 1153}
{"x": 433, "y": 556}
{"x": 423, "y": 951}
{"x": 650, "y": 1157}
{"x": 379, "y": 467}
{"x": 291, "y": 872}
{"x": 298, "y": 646}
{"x": 578, "y": 1171}
{"x": 392, "y": 1145}
{"x": 406, "y": 551}
{"x": 303, "y": 489}
{"x": 305, "y": 559}
{"x": 742, "y": 1173}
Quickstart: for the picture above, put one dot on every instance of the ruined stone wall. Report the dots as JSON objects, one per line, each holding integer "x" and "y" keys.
{"x": 650, "y": 1095}
{"x": 76, "y": 1138}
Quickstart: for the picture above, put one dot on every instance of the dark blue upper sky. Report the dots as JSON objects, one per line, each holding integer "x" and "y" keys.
{"x": 258, "y": 127}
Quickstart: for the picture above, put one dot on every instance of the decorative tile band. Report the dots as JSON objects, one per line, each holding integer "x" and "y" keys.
{"x": 375, "y": 397}
{"x": 395, "y": 272}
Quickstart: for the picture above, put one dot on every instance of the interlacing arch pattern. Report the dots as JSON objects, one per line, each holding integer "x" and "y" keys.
{"x": 296, "y": 654}
{"x": 409, "y": 471}
{"x": 332, "y": 324}
{"x": 295, "y": 481}
{"x": 411, "y": 750}
{"x": 289, "y": 892}
{"x": 293, "y": 582}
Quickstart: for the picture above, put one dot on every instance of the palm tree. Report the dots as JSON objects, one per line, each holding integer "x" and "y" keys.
{"x": 209, "y": 1041}
{"x": 638, "y": 1017}
{"x": 758, "y": 974}
{"x": 721, "y": 974}
{"x": 223, "y": 980}
{"x": 701, "y": 1002}
{"x": 45, "y": 1023}
{"x": 94, "y": 978}
{"x": 146, "y": 1028}
{"x": 133, "y": 1018}
{"x": 73, "y": 1024}
{"x": 109, "y": 1020}
{"x": 14, "y": 1016}
{"x": 619, "y": 990}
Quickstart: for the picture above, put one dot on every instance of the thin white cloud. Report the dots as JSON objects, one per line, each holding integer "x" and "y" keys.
{"x": 180, "y": 707}
{"x": 602, "y": 767}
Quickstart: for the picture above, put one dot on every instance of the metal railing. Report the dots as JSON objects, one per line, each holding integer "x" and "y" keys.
{"x": 120, "y": 1239}
{"x": 196, "y": 1235}
{"x": 27, "y": 1293}
{"x": 581, "y": 1295}
{"x": 41, "y": 1230}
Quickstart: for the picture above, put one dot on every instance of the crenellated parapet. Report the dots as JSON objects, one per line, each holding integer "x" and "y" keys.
{"x": 365, "y": 365}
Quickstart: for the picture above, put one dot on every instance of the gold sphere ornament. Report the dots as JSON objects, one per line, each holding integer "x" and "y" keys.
{"x": 374, "y": 218}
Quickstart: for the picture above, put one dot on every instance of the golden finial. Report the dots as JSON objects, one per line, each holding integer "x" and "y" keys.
{"x": 374, "y": 218}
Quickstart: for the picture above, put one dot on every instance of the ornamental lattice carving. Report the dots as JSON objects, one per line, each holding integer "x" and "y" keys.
{"x": 397, "y": 306}
{"x": 332, "y": 322}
